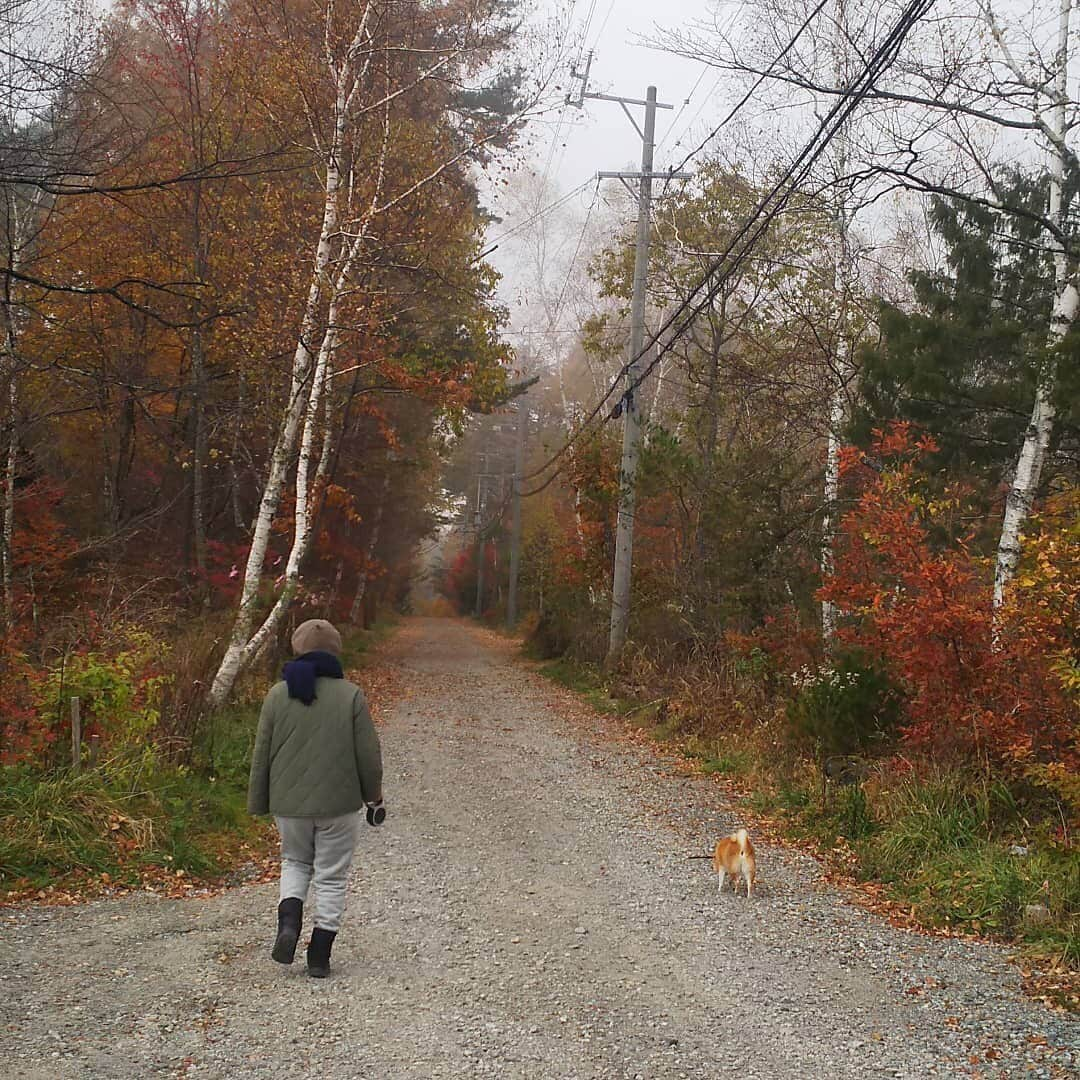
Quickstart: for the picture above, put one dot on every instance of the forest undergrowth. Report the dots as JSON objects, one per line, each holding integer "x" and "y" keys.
{"x": 157, "y": 810}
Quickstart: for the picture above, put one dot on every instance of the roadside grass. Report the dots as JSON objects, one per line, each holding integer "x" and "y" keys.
{"x": 958, "y": 851}
{"x": 131, "y": 813}
{"x": 140, "y": 814}
{"x": 358, "y": 643}
{"x": 586, "y": 680}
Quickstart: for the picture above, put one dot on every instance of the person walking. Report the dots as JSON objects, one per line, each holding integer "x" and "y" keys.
{"x": 316, "y": 764}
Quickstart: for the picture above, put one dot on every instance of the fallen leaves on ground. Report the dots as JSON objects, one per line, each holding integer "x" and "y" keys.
{"x": 1055, "y": 987}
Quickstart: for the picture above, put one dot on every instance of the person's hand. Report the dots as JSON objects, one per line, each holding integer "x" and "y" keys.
{"x": 376, "y": 812}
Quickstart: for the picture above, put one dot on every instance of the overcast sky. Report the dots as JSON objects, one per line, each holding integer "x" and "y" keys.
{"x": 599, "y": 136}
{"x": 569, "y": 147}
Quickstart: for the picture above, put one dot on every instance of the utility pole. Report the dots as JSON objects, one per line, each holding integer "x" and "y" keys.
{"x": 478, "y": 520}
{"x": 624, "y": 529}
{"x": 483, "y": 495}
{"x": 515, "y": 520}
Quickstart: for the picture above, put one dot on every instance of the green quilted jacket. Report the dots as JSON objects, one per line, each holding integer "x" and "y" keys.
{"x": 317, "y": 760}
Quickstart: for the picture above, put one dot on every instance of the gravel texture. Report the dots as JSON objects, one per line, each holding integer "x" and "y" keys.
{"x": 526, "y": 911}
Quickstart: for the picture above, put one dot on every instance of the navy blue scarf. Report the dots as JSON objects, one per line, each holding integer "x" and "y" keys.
{"x": 300, "y": 674}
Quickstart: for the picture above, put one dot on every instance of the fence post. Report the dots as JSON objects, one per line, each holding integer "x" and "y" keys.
{"x": 94, "y": 740}
{"x": 76, "y": 735}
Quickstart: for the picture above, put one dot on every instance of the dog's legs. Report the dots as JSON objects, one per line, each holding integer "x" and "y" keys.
{"x": 720, "y": 880}
{"x": 746, "y": 874}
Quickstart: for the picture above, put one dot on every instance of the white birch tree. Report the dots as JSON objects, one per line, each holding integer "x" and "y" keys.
{"x": 360, "y": 46}
{"x": 1049, "y": 86}
{"x": 970, "y": 92}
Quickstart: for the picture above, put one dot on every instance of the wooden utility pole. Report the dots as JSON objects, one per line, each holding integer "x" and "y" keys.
{"x": 624, "y": 530}
{"x": 478, "y": 519}
{"x": 515, "y": 521}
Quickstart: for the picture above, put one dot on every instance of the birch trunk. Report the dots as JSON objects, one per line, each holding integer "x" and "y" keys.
{"x": 837, "y": 417}
{"x": 7, "y": 548}
{"x": 309, "y": 373}
{"x": 10, "y": 370}
{"x": 1029, "y": 465}
{"x": 843, "y": 373}
{"x": 341, "y": 240}
{"x": 246, "y": 651}
{"x": 242, "y": 646}
{"x": 7, "y": 537}
{"x": 568, "y": 422}
{"x": 369, "y": 553}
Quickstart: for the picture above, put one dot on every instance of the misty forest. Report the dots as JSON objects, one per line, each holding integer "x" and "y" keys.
{"x": 766, "y": 444}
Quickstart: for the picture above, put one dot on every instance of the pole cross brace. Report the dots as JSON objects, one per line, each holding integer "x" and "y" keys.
{"x": 641, "y": 175}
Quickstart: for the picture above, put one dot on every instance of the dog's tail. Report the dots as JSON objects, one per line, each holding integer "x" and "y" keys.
{"x": 741, "y": 836}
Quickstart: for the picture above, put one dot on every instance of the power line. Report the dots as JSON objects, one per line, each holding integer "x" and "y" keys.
{"x": 551, "y": 153}
{"x": 757, "y": 83}
{"x": 711, "y": 280}
{"x": 553, "y": 318}
{"x": 556, "y": 134}
{"x": 682, "y": 108}
{"x": 586, "y": 27}
{"x": 515, "y": 229}
{"x": 603, "y": 25}
{"x": 705, "y": 100}
{"x": 573, "y": 259}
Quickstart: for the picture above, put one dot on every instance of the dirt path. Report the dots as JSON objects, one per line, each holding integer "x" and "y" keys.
{"x": 527, "y": 911}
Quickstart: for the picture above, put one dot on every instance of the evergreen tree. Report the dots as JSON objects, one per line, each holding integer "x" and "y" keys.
{"x": 964, "y": 364}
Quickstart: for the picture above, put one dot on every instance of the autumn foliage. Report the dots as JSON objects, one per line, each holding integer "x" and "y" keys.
{"x": 157, "y": 325}
{"x": 976, "y": 685}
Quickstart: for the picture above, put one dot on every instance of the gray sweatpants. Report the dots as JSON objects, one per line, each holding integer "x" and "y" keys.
{"x": 319, "y": 851}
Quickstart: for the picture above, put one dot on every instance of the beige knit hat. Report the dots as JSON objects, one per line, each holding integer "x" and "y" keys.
{"x": 316, "y": 635}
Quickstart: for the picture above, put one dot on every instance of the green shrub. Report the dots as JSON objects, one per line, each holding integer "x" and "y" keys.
{"x": 119, "y": 692}
{"x": 846, "y": 709}
{"x": 946, "y": 844}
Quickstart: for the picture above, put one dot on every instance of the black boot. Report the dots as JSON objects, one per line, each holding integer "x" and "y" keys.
{"x": 318, "y": 952}
{"x": 290, "y": 914}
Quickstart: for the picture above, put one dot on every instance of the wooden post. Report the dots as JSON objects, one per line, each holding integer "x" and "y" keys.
{"x": 94, "y": 742}
{"x": 76, "y": 735}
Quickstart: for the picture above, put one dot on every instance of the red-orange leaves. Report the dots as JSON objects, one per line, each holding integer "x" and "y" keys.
{"x": 914, "y": 594}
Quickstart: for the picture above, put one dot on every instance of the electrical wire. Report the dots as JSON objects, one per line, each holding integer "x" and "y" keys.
{"x": 682, "y": 108}
{"x": 573, "y": 259}
{"x": 759, "y": 220}
{"x": 555, "y": 136}
{"x": 603, "y": 25}
{"x": 585, "y": 29}
{"x": 753, "y": 89}
{"x": 513, "y": 230}
{"x": 705, "y": 100}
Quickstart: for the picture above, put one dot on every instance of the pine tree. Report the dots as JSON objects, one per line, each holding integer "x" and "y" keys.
{"x": 965, "y": 363}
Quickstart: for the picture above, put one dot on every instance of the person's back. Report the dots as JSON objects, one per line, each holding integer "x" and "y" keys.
{"x": 316, "y": 762}
{"x": 322, "y": 759}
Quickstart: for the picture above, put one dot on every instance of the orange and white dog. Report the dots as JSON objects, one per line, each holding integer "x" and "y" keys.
{"x": 734, "y": 855}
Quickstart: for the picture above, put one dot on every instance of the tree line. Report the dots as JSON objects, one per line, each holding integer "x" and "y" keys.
{"x": 244, "y": 308}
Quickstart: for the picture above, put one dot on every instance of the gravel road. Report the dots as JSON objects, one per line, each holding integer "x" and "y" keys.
{"x": 526, "y": 911}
